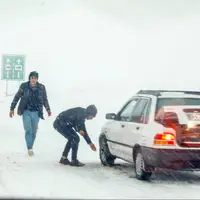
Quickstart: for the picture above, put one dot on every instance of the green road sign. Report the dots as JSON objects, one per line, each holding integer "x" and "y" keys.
{"x": 13, "y": 67}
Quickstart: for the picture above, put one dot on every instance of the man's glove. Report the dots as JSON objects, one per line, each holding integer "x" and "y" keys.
{"x": 11, "y": 114}
{"x": 92, "y": 146}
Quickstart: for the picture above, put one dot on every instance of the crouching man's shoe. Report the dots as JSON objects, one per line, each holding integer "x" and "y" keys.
{"x": 64, "y": 161}
{"x": 76, "y": 163}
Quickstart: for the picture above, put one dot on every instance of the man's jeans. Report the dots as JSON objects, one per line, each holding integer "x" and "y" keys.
{"x": 30, "y": 122}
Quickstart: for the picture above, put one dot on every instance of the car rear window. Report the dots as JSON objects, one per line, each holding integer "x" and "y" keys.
{"x": 177, "y": 102}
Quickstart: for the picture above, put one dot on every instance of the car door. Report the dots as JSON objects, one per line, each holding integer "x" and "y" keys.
{"x": 132, "y": 130}
{"x": 117, "y": 128}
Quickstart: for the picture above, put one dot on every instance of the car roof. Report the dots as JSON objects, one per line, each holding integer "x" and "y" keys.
{"x": 168, "y": 94}
{"x": 179, "y": 96}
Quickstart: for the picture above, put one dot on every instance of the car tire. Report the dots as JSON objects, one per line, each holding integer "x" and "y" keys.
{"x": 140, "y": 167}
{"x": 107, "y": 159}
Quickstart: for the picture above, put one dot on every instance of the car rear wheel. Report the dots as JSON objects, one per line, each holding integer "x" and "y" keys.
{"x": 140, "y": 167}
{"x": 107, "y": 159}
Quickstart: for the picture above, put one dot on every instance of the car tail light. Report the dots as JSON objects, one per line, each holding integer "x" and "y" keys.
{"x": 164, "y": 139}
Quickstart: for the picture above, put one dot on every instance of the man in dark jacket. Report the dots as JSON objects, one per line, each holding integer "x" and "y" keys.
{"x": 33, "y": 97}
{"x": 68, "y": 123}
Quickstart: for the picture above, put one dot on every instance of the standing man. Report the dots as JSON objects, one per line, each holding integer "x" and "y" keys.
{"x": 33, "y": 97}
{"x": 68, "y": 123}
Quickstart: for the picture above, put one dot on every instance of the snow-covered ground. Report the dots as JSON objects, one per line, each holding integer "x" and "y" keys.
{"x": 42, "y": 176}
{"x": 99, "y": 52}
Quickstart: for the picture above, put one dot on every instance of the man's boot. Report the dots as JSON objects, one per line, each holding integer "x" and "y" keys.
{"x": 76, "y": 163}
{"x": 64, "y": 161}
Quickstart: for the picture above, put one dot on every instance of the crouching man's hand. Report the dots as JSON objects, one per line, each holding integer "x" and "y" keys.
{"x": 92, "y": 146}
{"x": 88, "y": 140}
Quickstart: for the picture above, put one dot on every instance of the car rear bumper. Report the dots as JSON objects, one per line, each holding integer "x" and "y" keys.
{"x": 172, "y": 159}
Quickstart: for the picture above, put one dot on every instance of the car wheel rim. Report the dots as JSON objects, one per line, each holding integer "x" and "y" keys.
{"x": 139, "y": 164}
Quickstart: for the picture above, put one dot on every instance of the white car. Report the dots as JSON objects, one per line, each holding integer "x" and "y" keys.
{"x": 154, "y": 129}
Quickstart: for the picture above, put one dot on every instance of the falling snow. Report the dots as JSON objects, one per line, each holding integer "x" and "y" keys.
{"x": 93, "y": 52}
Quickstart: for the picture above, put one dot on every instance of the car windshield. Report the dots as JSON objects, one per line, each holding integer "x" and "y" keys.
{"x": 177, "y": 102}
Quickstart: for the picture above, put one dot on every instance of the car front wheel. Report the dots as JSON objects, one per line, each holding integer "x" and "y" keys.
{"x": 107, "y": 159}
{"x": 140, "y": 167}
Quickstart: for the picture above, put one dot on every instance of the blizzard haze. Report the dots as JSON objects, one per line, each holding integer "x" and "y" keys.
{"x": 93, "y": 52}
{"x": 113, "y": 47}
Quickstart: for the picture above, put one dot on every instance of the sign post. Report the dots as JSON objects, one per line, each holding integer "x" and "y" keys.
{"x": 13, "y": 68}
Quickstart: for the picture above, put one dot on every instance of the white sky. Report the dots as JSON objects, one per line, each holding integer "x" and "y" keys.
{"x": 94, "y": 51}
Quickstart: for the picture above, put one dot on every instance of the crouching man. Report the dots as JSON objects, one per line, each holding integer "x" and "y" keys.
{"x": 68, "y": 123}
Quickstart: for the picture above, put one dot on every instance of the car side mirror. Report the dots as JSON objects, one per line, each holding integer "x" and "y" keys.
{"x": 111, "y": 116}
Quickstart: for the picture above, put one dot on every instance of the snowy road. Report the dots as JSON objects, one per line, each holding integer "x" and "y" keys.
{"x": 42, "y": 176}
